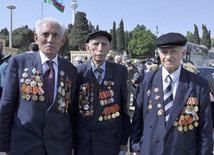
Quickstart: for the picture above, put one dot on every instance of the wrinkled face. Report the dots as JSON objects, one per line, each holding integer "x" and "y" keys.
{"x": 98, "y": 47}
{"x": 49, "y": 39}
{"x": 171, "y": 57}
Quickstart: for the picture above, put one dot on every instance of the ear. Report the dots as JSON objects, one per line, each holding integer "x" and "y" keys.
{"x": 184, "y": 53}
{"x": 35, "y": 37}
{"x": 87, "y": 47}
{"x": 63, "y": 40}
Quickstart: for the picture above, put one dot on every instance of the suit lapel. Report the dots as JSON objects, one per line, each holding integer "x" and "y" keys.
{"x": 99, "y": 109}
{"x": 182, "y": 94}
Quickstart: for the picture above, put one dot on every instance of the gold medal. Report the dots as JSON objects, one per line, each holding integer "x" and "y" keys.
{"x": 190, "y": 126}
{"x": 27, "y": 97}
{"x": 41, "y": 98}
{"x": 100, "y": 118}
{"x": 113, "y": 116}
{"x": 62, "y": 84}
{"x": 196, "y": 124}
{"x": 196, "y": 108}
{"x": 59, "y": 108}
{"x": 117, "y": 114}
{"x": 35, "y": 97}
{"x": 175, "y": 123}
{"x": 150, "y": 106}
{"x": 180, "y": 128}
{"x": 185, "y": 128}
{"x": 24, "y": 96}
{"x": 109, "y": 116}
{"x": 105, "y": 117}
{"x": 182, "y": 117}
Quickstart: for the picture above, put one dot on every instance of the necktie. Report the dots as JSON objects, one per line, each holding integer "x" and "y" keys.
{"x": 49, "y": 78}
{"x": 168, "y": 98}
{"x": 99, "y": 72}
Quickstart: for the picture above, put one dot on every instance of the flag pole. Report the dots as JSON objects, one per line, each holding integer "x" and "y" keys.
{"x": 42, "y": 10}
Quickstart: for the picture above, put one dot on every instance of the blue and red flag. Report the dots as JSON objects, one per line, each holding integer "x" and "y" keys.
{"x": 59, "y": 4}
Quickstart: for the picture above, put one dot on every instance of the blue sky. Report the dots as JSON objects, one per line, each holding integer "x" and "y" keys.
{"x": 169, "y": 15}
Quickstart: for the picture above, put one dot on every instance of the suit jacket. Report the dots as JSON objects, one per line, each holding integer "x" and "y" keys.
{"x": 189, "y": 128}
{"x": 29, "y": 125}
{"x": 102, "y": 123}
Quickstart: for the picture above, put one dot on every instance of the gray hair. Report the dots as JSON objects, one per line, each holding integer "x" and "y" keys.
{"x": 51, "y": 20}
{"x": 183, "y": 48}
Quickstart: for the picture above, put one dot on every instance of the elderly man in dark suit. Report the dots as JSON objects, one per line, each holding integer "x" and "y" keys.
{"x": 102, "y": 121}
{"x": 173, "y": 113}
{"x": 36, "y": 107}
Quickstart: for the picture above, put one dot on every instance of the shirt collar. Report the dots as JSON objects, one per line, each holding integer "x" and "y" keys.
{"x": 103, "y": 66}
{"x": 44, "y": 58}
{"x": 174, "y": 75}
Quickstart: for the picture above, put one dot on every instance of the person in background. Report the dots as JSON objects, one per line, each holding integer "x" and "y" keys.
{"x": 36, "y": 109}
{"x": 3, "y": 69}
{"x": 118, "y": 59}
{"x": 1, "y": 52}
{"x": 172, "y": 113}
{"x": 102, "y": 120}
{"x": 78, "y": 60}
{"x": 132, "y": 69}
{"x": 33, "y": 47}
{"x": 110, "y": 58}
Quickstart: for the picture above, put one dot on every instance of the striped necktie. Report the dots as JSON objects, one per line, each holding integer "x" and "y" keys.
{"x": 49, "y": 78}
{"x": 99, "y": 72}
{"x": 168, "y": 98}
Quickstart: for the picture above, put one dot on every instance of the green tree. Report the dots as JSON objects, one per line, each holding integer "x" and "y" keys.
{"x": 114, "y": 37}
{"x": 79, "y": 31}
{"x": 196, "y": 38}
{"x": 22, "y": 37}
{"x": 128, "y": 36}
{"x": 65, "y": 49}
{"x": 120, "y": 38}
{"x": 91, "y": 27}
{"x": 142, "y": 42}
{"x": 190, "y": 36}
{"x": 205, "y": 40}
{"x": 97, "y": 27}
{"x": 4, "y": 34}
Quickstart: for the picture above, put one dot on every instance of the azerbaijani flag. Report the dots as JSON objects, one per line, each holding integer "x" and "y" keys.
{"x": 59, "y": 4}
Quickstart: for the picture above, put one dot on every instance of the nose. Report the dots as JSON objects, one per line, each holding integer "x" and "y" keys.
{"x": 50, "y": 38}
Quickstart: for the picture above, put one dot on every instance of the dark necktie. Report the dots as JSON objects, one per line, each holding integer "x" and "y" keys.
{"x": 168, "y": 98}
{"x": 99, "y": 72}
{"x": 49, "y": 78}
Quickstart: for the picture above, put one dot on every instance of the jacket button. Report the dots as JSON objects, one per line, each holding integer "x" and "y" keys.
{"x": 150, "y": 126}
{"x": 157, "y": 141}
{"x": 46, "y": 125}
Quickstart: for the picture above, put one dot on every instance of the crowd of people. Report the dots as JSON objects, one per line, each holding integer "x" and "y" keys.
{"x": 50, "y": 106}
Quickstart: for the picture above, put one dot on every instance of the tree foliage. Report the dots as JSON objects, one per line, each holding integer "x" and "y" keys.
{"x": 196, "y": 38}
{"x": 190, "y": 36}
{"x": 205, "y": 40}
{"x": 79, "y": 31}
{"x": 120, "y": 38}
{"x": 142, "y": 42}
{"x": 22, "y": 37}
{"x": 4, "y": 34}
{"x": 114, "y": 37}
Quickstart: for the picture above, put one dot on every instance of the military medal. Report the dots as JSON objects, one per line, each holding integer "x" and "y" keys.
{"x": 180, "y": 128}
{"x": 160, "y": 112}
{"x": 185, "y": 128}
{"x": 100, "y": 118}
{"x": 156, "y": 90}
{"x": 148, "y": 92}
{"x": 190, "y": 126}
{"x": 41, "y": 98}
{"x": 196, "y": 124}
{"x": 175, "y": 123}
{"x": 150, "y": 106}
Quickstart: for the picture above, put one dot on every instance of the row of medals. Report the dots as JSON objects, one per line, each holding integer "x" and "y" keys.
{"x": 32, "y": 86}
{"x": 186, "y": 119}
{"x": 64, "y": 91}
{"x": 86, "y": 99}
{"x": 106, "y": 98}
